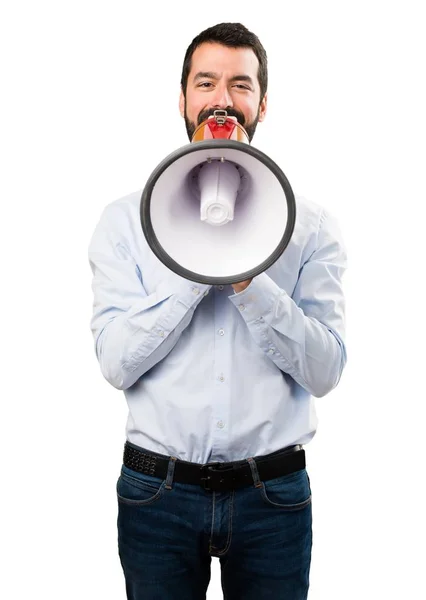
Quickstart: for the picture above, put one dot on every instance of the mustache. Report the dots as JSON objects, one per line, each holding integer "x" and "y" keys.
{"x": 205, "y": 114}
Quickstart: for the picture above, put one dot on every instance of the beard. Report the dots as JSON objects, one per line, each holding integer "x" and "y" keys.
{"x": 205, "y": 114}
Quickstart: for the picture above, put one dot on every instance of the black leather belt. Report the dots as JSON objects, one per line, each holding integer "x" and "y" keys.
{"x": 216, "y": 476}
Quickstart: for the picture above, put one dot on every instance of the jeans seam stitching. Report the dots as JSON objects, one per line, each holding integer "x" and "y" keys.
{"x": 211, "y": 547}
{"x": 131, "y": 502}
{"x": 231, "y": 510}
{"x": 288, "y": 507}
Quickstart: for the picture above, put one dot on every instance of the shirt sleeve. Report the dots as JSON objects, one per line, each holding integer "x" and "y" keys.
{"x": 303, "y": 334}
{"x": 132, "y": 330}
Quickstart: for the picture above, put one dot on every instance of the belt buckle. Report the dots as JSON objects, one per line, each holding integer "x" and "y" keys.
{"x": 204, "y": 482}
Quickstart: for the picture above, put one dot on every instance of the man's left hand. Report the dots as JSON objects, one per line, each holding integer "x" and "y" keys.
{"x": 239, "y": 287}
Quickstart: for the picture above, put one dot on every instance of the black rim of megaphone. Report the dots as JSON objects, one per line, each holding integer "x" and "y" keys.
{"x": 166, "y": 259}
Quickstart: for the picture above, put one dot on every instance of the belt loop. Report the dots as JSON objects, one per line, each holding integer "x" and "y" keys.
{"x": 170, "y": 472}
{"x": 254, "y": 472}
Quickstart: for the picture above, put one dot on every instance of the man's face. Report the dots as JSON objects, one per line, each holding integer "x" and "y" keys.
{"x": 226, "y": 78}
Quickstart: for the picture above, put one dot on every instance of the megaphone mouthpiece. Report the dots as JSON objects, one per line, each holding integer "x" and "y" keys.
{"x": 218, "y": 182}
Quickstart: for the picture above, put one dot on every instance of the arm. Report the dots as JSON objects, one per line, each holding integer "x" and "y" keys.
{"x": 133, "y": 330}
{"x": 303, "y": 334}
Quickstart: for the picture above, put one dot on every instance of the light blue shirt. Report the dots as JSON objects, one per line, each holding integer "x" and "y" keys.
{"x": 208, "y": 374}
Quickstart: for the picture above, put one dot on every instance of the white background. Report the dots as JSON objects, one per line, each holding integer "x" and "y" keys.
{"x": 89, "y": 107}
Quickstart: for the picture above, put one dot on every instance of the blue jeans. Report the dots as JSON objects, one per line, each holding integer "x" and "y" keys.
{"x": 168, "y": 532}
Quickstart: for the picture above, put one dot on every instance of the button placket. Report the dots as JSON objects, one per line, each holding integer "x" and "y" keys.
{"x": 219, "y": 422}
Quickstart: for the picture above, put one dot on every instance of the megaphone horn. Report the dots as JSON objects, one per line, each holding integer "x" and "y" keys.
{"x": 218, "y": 211}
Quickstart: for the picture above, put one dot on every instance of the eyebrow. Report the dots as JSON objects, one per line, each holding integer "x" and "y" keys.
{"x": 212, "y": 75}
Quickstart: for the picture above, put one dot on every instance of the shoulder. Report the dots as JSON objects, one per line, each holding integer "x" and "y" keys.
{"x": 314, "y": 218}
{"x": 119, "y": 224}
{"x": 308, "y": 213}
{"x": 123, "y": 208}
{"x": 316, "y": 228}
{"x": 122, "y": 216}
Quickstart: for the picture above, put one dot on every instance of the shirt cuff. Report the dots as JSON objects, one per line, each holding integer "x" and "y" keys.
{"x": 258, "y": 299}
{"x": 189, "y": 293}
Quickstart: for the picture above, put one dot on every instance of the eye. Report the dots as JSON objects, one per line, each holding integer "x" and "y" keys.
{"x": 205, "y": 84}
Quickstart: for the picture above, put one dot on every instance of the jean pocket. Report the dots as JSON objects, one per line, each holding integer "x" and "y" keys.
{"x": 137, "y": 489}
{"x": 290, "y": 492}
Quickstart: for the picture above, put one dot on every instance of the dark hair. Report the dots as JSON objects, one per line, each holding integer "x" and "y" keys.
{"x": 233, "y": 35}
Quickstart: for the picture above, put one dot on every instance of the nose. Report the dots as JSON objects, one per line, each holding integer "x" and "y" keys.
{"x": 222, "y": 98}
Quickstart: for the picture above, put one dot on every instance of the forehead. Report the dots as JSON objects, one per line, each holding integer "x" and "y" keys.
{"x": 225, "y": 61}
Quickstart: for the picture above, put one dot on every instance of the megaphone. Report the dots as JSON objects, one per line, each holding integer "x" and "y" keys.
{"x": 217, "y": 210}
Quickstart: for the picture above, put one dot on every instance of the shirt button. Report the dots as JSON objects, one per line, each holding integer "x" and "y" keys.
{"x": 221, "y": 378}
{"x": 220, "y": 424}
{"x": 220, "y": 287}
{"x": 161, "y": 333}
{"x": 196, "y": 291}
{"x": 271, "y": 350}
{"x": 241, "y": 306}
{"x": 221, "y": 332}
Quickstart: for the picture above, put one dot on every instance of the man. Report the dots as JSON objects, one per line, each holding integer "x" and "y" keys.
{"x": 218, "y": 374}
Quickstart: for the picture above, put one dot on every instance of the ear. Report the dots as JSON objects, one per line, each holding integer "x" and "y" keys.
{"x": 182, "y": 104}
{"x": 262, "y": 107}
